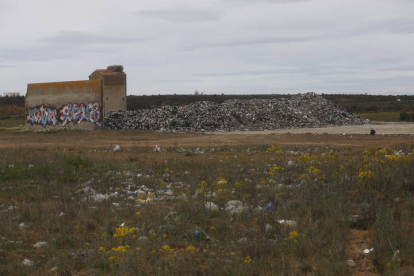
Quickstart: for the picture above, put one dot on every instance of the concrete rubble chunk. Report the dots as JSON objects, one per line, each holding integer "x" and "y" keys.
{"x": 300, "y": 111}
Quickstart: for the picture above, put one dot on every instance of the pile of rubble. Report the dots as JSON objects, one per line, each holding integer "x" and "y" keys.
{"x": 301, "y": 111}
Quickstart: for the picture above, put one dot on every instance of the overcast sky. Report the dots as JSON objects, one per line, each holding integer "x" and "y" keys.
{"x": 212, "y": 46}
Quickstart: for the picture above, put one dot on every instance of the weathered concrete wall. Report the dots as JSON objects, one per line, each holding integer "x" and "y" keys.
{"x": 114, "y": 90}
{"x": 75, "y": 104}
{"x": 114, "y": 93}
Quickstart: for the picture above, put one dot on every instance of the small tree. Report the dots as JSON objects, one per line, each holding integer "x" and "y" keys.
{"x": 196, "y": 93}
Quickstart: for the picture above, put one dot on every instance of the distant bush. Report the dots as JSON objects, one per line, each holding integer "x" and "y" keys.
{"x": 405, "y": 116}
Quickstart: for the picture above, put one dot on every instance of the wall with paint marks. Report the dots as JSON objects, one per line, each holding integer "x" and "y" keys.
{"x": 76, "y": 104}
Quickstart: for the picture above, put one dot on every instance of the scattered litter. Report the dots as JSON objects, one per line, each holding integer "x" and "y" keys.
{"x": 396, "y": 257}
{"x": 268, "y": 227}
{"x": 242, "y": 241}
{"x": 22, "y": 225}
{"x": 30, "y": 166}
{"x": 55, "y": 268}
{"x": 258, "y": 210}
{"x": 142, "y": 239}
{"x": 270, "y": 207}
{"x": 117, "y": 148}
{"x": 367, "y": 251}
{"x": 287, "y": 222}
{"x": 234, "y": 207}
{"x": 351, "y": 263}
{"x": 40, "y": 244}
{"x": 211, "y": 206}
{"x": 27, "y": 262}
{"x": 16, "y": 242}
{"x": 61, "y": 214}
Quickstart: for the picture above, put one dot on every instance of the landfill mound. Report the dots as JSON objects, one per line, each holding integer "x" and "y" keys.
{"x": 300, "y": 111}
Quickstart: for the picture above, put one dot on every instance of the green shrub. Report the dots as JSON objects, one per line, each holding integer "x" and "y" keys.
{"x": 405, "y": 116}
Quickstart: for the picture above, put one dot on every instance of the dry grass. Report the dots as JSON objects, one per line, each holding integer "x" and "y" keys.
{"x": 339, "y": 197}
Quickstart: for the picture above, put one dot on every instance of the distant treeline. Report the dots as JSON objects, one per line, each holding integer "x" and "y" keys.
{"x": 352, "y": 103}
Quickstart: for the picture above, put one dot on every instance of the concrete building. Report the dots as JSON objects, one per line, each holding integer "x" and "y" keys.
{"x": 11, "y": 94}
{"x": 114, "y": 87}
{"x": 77, "y": 104}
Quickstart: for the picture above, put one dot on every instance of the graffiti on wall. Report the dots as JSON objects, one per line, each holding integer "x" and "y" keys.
{"x": 42, "y": 115}
{"x": 75, "y": 113}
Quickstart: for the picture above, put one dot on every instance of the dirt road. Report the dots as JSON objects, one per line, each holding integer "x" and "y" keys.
{"x": 380, "y": 128}
{"x": 388, "y": 135}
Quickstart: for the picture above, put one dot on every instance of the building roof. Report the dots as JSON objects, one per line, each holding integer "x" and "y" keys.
{"x": 107, "y": 72}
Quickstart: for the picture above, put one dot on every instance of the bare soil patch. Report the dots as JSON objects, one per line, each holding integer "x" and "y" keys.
{"x": 358, "y": 136}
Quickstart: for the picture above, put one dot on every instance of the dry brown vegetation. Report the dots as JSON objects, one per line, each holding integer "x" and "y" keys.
{"x": 333, "y": 197}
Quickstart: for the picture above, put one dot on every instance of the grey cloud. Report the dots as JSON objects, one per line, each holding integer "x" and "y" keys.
{"x": 175, "y": 81}
{"x": 84, "y": 38}
{"x": 6, "y": 66}
{"x": 243, "y": 41}
{"x": 41, "y": 53}
{"x": 237, "y": 73}
{"x": 390, "y": 25}
{"x": 66, "y": 45}
{"x": 398, "y": 68}
{"x": 306, "y": 70}
{"x": 267, "y": 1}
{"x": 182, "y": 15}
{"x": 399, "y": 25}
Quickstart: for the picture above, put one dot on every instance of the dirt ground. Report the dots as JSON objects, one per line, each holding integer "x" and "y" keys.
{"x": 387, "y": 135}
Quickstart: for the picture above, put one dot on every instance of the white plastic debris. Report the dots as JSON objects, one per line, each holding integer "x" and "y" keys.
{"x": 242, "y": 241}
{"x": 234, "y": 207}
{"x": 291, "y": 163}
{"x": 22, "y": 225}
{"x": 268, "y": 227}
{"x": 55, "y": 268}
{"x": 61, "y": 214}
{"x": 40, "y": 244}
{"x": 157, "y": 148}
{"x": 367, "y": 251}
{"x": 27, "y": 262}
{"x": 98, "y": 197}
{"x": 287, "y": 222}
{"x": 211, "y": 206}
{"x": 117, "y": 148}
{"x": 115, "y": 204}
{"x": 258, "y": 210}
{"x": 30, "y": 166}
{"x": 142, "y": 239}
{"x": 351, "y": 263}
